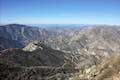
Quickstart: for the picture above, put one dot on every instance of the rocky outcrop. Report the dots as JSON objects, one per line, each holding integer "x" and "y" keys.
{"x": 33, "y": 46}
{"x": 109, "y": 69}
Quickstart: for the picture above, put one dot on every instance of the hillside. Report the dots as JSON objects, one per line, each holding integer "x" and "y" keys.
{"x": 109, "y": 69}
{"x": 87, "y": 45}
{"x": 18, "y": 36}
{"x": 41, "y": 63}
{"x": 66, "y": 52}
{"x": 102, "y": 39}
{"x": 40, "y": 56}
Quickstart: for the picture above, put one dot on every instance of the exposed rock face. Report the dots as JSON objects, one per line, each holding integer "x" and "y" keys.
{"x": 100, "y": 40}
{"x": 109, "y": 69}
{"x": 33, "y": 46}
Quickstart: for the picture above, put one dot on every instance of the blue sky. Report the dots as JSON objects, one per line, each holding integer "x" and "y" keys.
{"x": 60, "y": 11}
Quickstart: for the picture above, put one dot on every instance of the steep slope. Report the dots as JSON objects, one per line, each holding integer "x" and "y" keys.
{"x": 6, "y": 43}
{"x": 23, "y": 34}
{"x": 109, "y": 69}
{"x": 20, "y": 35}
{"x": 96, "y": 40}
{"x": 89, "y": 45}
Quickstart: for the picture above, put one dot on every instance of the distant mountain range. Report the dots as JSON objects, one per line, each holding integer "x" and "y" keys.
{"x": 96, "y": 40}
{"x": 17, "y": 36}
{"x": 67, "y": 47}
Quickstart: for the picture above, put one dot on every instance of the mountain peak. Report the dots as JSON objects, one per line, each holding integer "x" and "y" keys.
{"x": 34, "y": 46}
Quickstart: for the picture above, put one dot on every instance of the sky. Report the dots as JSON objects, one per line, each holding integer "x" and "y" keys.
{"x": 60, "y": 11}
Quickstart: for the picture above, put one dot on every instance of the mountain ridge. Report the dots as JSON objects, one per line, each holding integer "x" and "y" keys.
{"x": 84, "y": 48}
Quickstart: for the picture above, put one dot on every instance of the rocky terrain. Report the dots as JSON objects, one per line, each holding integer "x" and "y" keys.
{"x": 42, "y": 63}
{"x": 18, "y": 36}
{"x": 61, "y": 52}
{"x": 109, "y": 69}
{"x": 40, "y": 56}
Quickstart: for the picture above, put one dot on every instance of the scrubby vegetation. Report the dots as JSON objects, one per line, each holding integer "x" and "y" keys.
{"x": 109, "y": 69}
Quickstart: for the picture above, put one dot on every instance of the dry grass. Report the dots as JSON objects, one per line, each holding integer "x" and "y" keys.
{"x": 109, "y": 70}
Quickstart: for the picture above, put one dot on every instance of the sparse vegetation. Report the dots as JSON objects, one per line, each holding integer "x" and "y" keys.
{"x": 76, "y": 54}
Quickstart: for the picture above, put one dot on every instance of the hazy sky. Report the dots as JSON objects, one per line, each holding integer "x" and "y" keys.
{"x": 60, "y": 11}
